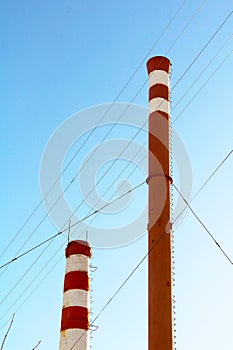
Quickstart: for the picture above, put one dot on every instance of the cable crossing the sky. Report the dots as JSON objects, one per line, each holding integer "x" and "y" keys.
{"x": 141, "y": 261}
{"x": 61, "y": 231}
{"x": 174, "y": 42}
{"x": 75, "y": 224}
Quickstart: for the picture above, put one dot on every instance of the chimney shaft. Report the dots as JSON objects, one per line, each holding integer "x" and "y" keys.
{"x": 160, "y": 280}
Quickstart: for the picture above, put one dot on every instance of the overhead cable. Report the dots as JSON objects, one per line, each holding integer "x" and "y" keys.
{"x": 92, "y": 131}
{"x": 70, "y": 226}
{"x": 203, "y": 225}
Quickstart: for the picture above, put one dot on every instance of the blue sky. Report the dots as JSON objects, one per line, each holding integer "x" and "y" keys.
{"x": 58, "y": 58}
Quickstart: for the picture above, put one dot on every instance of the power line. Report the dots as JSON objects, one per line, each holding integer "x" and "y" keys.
{"x": 199, "y": 90}
{"x": 204, "y": 184}
{"x": 213, "y": 173}
{"x": 26, "y": 272}
{"x": 201, "y": 73}
{"x": 36, "y": 346}
{"x": 55, "y": 235}
{"x": 106, "y": 306}
{"x": 201, "y": 188}
{"x": 185, "y": 27}
{"x": 30, "y": 250}
{"x": 39, "y": 274}
{"x": 125, "y": 281}
{"x": 58, "y": 259}
{"x": 34, "y": 289}
{"x": 203, "y": 225}
{"x": 116, "y": 158}
{"x": 145, "y": 256}
{"x": 202, "y": 50}
{"x": 123, "y": 170}
{"x": 75, "y": 224}
{"x": 7, "y": 332}
{"x": 141, "y": 129}
{"x": 204, "y": 47}
{"x": 92, "y": 156}
{"x": 137, "y": 266}
{"x": 132, "y": 100}
{"x": 171, "y": 46}
{"x": 125, "y": 87}
{"x": 116, "y": 98}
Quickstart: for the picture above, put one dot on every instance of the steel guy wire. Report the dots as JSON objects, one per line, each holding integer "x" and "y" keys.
{"x": 180, "y": 34}
{"x": 34, "y": 289}
{"x": 44, "y": 242}
{"x": 30, "y": 250}
{"x": 26, "y": 272}
{"x": 57, "y": 261}
{"x": 7, "y": 332}
{"x": 51, "y": 258}
{"x": 201, "y": 188}
{"x": 205, "y": 183}
{"x": 202, "y": 86}
{"x": 135, "y": 135}
{"x": 199, "y": 75}
{"x": 75, "y": 224}
{"x": 131, "y": 101}
{"x": 119, "y": 175}
{"x": 186, "y": 26}
{"x": 36, "y": 346}
{"x": 142, "y": 260}
{"x": 72, "y": 180}
{"x": 177, "y": 38}
{"x": 130, "y": 275}
{"x": 172, "y": 45}
{"x": 204, "y": 47}
{"x": 226, "y": 42}
{"x": 76, "y": 176}
{"x": 40, "y": 244}
{"x": 43, "y": 219}
{"x": 203, "y": 225}
{"x": 116, "y": 98}
{"x": 45, "y": 267}
{"x": 38, "y": 225}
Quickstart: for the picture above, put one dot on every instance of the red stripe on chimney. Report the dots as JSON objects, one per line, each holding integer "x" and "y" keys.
{"x": 158, "y": 62}
{"x": 76, "y": 280}
{"x": 78, "y": 247}
{"x": 74, "y": 317}
{"x": 159, "y": 90}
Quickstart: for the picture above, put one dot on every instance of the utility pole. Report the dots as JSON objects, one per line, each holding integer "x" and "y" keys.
{"x": 159, "y": 227}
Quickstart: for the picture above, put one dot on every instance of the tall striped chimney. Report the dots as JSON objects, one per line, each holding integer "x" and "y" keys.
{"x": 75, "y": 321}
{"x": 159, "y": 181}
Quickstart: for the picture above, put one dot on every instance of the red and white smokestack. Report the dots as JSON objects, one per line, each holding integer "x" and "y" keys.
{"x": 75, "y": 322}
{"x": 159, "y": 181}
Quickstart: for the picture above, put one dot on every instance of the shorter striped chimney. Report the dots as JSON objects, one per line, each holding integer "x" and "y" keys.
{"x": 75, "y": 321}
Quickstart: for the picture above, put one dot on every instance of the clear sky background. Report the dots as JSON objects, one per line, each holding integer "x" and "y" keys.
{"x": 59, "y": 57}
